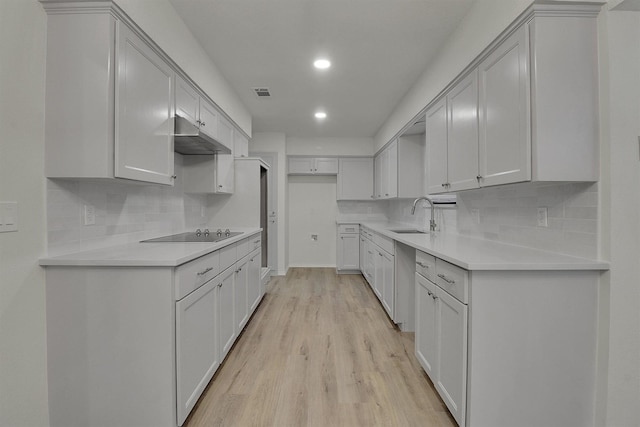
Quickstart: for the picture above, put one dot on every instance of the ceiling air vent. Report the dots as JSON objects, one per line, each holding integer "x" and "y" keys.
{"x": 262, "y": 92}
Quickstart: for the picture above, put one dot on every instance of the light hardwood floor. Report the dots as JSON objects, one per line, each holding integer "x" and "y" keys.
{"x": 320, "y": 351}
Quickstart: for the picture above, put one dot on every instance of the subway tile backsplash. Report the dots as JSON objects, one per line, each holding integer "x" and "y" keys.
{"x": 510, "y": 214}
{"x": 124, "y": 212}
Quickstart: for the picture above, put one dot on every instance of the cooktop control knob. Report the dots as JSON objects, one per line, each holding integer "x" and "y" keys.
{"x": 227, "y": 232}
{"x": 198, "y": 232}
{"x": 206, "y": 231}
{"x": 219, "y": 232}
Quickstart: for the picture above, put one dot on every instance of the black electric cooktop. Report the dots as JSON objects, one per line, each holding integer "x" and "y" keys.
{"x": 194, "y": 237}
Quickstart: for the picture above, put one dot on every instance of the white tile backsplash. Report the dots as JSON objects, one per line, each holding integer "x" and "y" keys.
{"x": 509, "y": 214}
{"x": 124, "y": 212}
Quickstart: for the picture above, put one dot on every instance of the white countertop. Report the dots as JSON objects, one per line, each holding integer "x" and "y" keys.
{"x": 479, "y": 254}
{"x": 164, "y": 254}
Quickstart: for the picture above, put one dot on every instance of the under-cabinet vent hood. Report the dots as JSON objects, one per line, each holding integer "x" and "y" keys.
{"x": 188, "y": 139}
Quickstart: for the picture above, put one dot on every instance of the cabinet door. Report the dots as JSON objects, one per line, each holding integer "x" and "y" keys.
{"x": 348, "y": 252}
{"x": 378, "y": 278}
{"x": 225, "y": 173}
{"x": 144, "y": 112}
{"x": 326, "y": 166}
{"x": 361, "y": 252}
{"x": 208, "y": 119}
{"x": 196, "y": 345}
{"x": 378, "y": 176}
{"x": 226, "y": 317}
{"x": 505, "y": 140}
{"x": 254, "y": 286}
{"x": 240, "y": 294}
{"x": 388, "y": 284}
{"x": 425, "y": 337}
{"x": 240, "y": 145}
{"x": 384, "y": 173}
{"x": 462, "y": 135}
{"x": 300, "y": 166}
{"x": 392, "y": 170}
{"x": 436, "y": 153}
{"x": 187, "y": 101}
{"x": 451, "y": 373}
{"x": 355, "y": 179}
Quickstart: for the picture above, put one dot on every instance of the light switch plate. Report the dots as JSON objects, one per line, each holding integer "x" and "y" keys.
{"x": 8, "y": 216}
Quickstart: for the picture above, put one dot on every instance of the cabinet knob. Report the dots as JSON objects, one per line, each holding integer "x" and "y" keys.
{"x": 479, "y": 177}
{"x": 386, "y": 194}
{"x": 174, "y": 177}
{"x": 220, "y": 186}
{"x": 434, "y": 297}
{"x": 202, "y": 123}
{"x": 444, "y": 185}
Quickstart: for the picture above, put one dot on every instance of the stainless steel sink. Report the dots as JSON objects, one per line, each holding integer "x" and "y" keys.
{"x": 408, "y": 231}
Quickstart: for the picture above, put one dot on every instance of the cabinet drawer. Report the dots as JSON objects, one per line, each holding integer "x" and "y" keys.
{"x": 453, "y": 279}
{"x": 192, "y": 275}
{"x": 348, "y": 228}
{"x": 243, "y": 247}
{"x": 228, "y": 256}
{"x": 255, "y": 242}
{"x": 426, "y": 265}
{"x": 384, "y": 242}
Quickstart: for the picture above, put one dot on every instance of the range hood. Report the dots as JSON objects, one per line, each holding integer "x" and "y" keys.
{"x": 188, "y": 139}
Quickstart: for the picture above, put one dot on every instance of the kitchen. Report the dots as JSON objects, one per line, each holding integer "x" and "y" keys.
{"x": 23, "y": 372}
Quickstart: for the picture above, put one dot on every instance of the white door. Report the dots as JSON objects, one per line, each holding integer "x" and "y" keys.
{"x": 196, "y": 345}
{"x": 225, "y": 173}
{"x": 436, "y": 152}
{"x": 208, "y": 119}
{"x": 378, "y": 176}
{"x": 388, "y": 284}
{"x": 451, "y": 373}
{"x": 240, "y": 145}
{"x": 144, "y": 112}
{"x": 226, "y": 318}
{"x": 425, "y": 337}
{"x": 505, "y": 140}
{"x": 462, "y": 135}
{"x": 384, "y": 173}
{"x": 240, "y": 294}
{"x": 301, "y": 165}
{"x": 187, "y": 101}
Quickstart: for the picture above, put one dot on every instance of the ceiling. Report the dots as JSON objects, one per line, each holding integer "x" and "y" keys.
{"x": 378, "y": 49}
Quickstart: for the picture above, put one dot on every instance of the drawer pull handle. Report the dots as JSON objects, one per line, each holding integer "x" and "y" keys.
{"x": 443, "y": 277}
{"x": 256, "y": 241}
{"x": 429, "y": 293}
{"x": 205, "y": 271}
{"x": 422, "y": 265}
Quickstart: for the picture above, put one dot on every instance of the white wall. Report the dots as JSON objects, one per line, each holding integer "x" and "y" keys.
{"x": 161, "y": 22}
{"x": 312, "y": 201}
{"x": 276, "y": 142}
{"x": 23, "y": 374}
{"x": 620, "y": 93}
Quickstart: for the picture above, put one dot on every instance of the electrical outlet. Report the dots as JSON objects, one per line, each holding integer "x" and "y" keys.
{"x": 89, "y": 215}
{"x": 8, "y": 216}
{"x": 475, "y": 216}
{"x": 314, "y": 237}
{"x": 542, "y": 217}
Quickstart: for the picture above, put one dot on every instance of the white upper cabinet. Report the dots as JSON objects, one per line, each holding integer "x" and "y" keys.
{"x": 187, "y": 101}
{"x": 462, "y": 132}
{"x": 530, "y": 103}
{"x": 144, "y": 111}
{"x": 108, "y": 105}
{"x": 240, "y": 145}
{"x": 312, "y": 165}
{"x": 436, "y": 154}
{"x": 355, "y": 178}
{"x": 399, "y": 168}
{"x": 505, "y": 143}
{"x": 209, "y": 120}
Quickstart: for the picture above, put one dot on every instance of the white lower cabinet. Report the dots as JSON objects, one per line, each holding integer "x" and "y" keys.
{"x": 441, "y": 343}
{"x": 240, "y": 294}
{"x": 348, "y": 248}
{"x": 254, "y": 290}
{"x": 388, "y": 288}
{"x": 378, "y": 268}
{"x": 226, "y": 310}
{"x": 197, "y": 356}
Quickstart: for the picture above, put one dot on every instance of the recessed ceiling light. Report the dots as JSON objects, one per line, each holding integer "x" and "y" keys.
{"x": 322, "y": 64}
{"x": 321, "y": 115}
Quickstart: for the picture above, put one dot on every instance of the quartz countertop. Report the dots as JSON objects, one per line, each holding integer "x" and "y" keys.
{"x": 480, "y": 254}
{"x": 162, "y": 254}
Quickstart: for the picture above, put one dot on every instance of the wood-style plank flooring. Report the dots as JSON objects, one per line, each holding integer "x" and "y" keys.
{"x": 320, "y": 351}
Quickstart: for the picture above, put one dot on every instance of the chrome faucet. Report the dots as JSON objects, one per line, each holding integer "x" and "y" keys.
{"x": 432, "y": 222}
